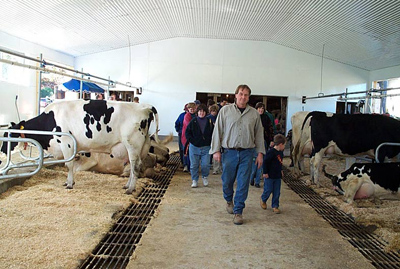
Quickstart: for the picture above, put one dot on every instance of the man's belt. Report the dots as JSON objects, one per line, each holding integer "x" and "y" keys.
{"x": 237, "y": 149}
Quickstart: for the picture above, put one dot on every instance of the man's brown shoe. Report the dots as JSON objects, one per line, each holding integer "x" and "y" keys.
{"x": 276, "y": 210}
{"x": 229, "y": 207}
{"x": 238, "y": 219}
{"x": 263, "y": 204}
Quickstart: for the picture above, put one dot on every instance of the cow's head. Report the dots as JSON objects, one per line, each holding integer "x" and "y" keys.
{"x": 335, "y": 181}
{"x": 19, "y": 126}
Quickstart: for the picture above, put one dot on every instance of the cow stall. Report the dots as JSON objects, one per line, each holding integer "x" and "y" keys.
{"x": 19, "y": 164}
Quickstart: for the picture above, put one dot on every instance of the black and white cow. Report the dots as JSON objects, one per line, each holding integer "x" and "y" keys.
{"x": 357, "y": 181}
{"x": 352, "y": 134}
{"x": 301, "y": 138}
{"x": 118, "y": 162}
{"x": 98, "y": 126}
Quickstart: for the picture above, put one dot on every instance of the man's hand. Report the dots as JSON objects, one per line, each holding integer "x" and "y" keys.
{"x": 259, "y": 160}
{"x": 217, "y": 156}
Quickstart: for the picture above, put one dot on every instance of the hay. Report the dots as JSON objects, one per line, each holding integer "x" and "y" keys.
{"x": 43, "y": 225}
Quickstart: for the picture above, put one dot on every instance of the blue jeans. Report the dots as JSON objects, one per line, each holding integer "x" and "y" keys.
{"x": 272, "y": 186}
{"x": 181, "y": 150}
{"x": 236, "y": 165}
{"x": 256, "y": 174}
{"x": 199, "y": 156}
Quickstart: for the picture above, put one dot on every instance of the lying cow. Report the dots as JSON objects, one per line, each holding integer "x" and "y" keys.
{"x": 160, "y": 149}
{"x": 98, "y": 126}
{"x": 358, "y": 181}
{"x": 117, "y": 163}
{"x": 349, "y": 135}
{"x": 108, "y": 164}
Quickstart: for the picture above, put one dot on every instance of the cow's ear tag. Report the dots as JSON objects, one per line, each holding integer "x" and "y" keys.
{"x": 21, "y": 128}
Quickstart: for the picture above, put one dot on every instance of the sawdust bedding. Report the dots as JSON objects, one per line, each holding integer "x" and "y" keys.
{"x": 44, "y": 225}
{"x": 380, "y": 213}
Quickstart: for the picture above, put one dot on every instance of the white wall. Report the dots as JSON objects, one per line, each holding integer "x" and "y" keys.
{"x": 172, "y": 71}
{"x": 28, "y": 92}
{"x": 384, "y": 74}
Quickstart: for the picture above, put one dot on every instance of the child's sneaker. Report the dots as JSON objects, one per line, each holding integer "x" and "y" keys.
{"x": 205, "y": 181}
{"x": 194, "y": 183}
{"x": 276, "y": 210}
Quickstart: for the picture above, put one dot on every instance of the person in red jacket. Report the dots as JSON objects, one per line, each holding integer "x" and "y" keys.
{"x": 191, "y": 113}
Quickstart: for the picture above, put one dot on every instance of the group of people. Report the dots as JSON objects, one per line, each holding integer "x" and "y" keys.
{"x": 239, "y": 137}
{"x": 114, "y": 97}
{"x": 195, "y": 127}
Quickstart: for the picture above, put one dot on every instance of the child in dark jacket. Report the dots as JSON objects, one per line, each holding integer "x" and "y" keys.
{"x": 272, "y": 167}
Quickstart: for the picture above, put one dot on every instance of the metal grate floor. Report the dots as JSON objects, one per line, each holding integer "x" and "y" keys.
{"x": 366, "y": 242}
{"x": 120, "y": 242}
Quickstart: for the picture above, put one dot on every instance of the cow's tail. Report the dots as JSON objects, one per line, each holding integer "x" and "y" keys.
{"x": 168, "y": 139}
{"x": 155, "y": 113}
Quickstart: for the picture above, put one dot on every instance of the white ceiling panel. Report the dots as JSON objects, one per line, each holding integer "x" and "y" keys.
{"x": 364, "y": 34}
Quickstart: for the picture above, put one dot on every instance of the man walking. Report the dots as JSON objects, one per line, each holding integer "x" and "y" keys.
{"x": 238, "y": 134}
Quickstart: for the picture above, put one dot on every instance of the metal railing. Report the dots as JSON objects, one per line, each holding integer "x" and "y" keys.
{"x": 29, "y": 161}
{"x": 381, "y": 145}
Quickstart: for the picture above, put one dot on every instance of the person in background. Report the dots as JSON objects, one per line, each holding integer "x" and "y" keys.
{"x": 136, "y": 99}
{"x": 198, "y": 133}
{"x": 197, "y": 102}
{"x": 222, "y": 103}
{"x": 113, "y": 97}
{"x": 273, "y": 174}
{"x": 256, "y": 173}
{"x": 100, "y": 96}
{"x": 213, "y": 109}
{"x": 210, "y": 102}
{"x": 188, "y": 117}
{"x": 238, "y": 132}
{"x": 178, "y": 129}
{"x": 279, "y": 129}
{"x": 272, "y": 118}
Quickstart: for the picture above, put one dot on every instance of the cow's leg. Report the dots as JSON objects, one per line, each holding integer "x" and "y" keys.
{"x": 134, "y": 162}
{"x": 315, "y": 162}
{"x": 301, "y": 164}
{"x": 70, "y": 178}
{"x": 67, "y": 152}
{"x": 352, "y": 187}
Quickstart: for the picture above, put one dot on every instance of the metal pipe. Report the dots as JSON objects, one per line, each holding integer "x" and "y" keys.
{"x": 44, "y": 63}
{"x": 359, "y": 92}
{"x": 381, "y": 145}
{"x": 51, "y": 71}
{"x": 39, "y": 87}
{"x": 74, "y": 143}
{"x": 37, "y": 162}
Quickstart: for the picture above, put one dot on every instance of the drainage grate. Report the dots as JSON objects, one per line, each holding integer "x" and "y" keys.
{"x": 358, "y": 236}
{"x": 117, "y": 246}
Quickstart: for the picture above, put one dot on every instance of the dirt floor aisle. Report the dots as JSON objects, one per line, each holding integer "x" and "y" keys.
{"x": 193, "y": 230}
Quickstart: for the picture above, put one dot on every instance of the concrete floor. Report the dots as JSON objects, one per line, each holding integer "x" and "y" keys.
{"x": 193, "y": 230}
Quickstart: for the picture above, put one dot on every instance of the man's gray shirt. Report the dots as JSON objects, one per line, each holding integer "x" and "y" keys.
{"x": 234, "y": 129}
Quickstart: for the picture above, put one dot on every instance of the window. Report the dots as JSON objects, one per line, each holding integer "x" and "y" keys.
{"x": 12, "y": 73}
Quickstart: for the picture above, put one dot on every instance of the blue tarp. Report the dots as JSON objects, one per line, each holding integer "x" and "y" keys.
{"x": 75, "y": 85}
